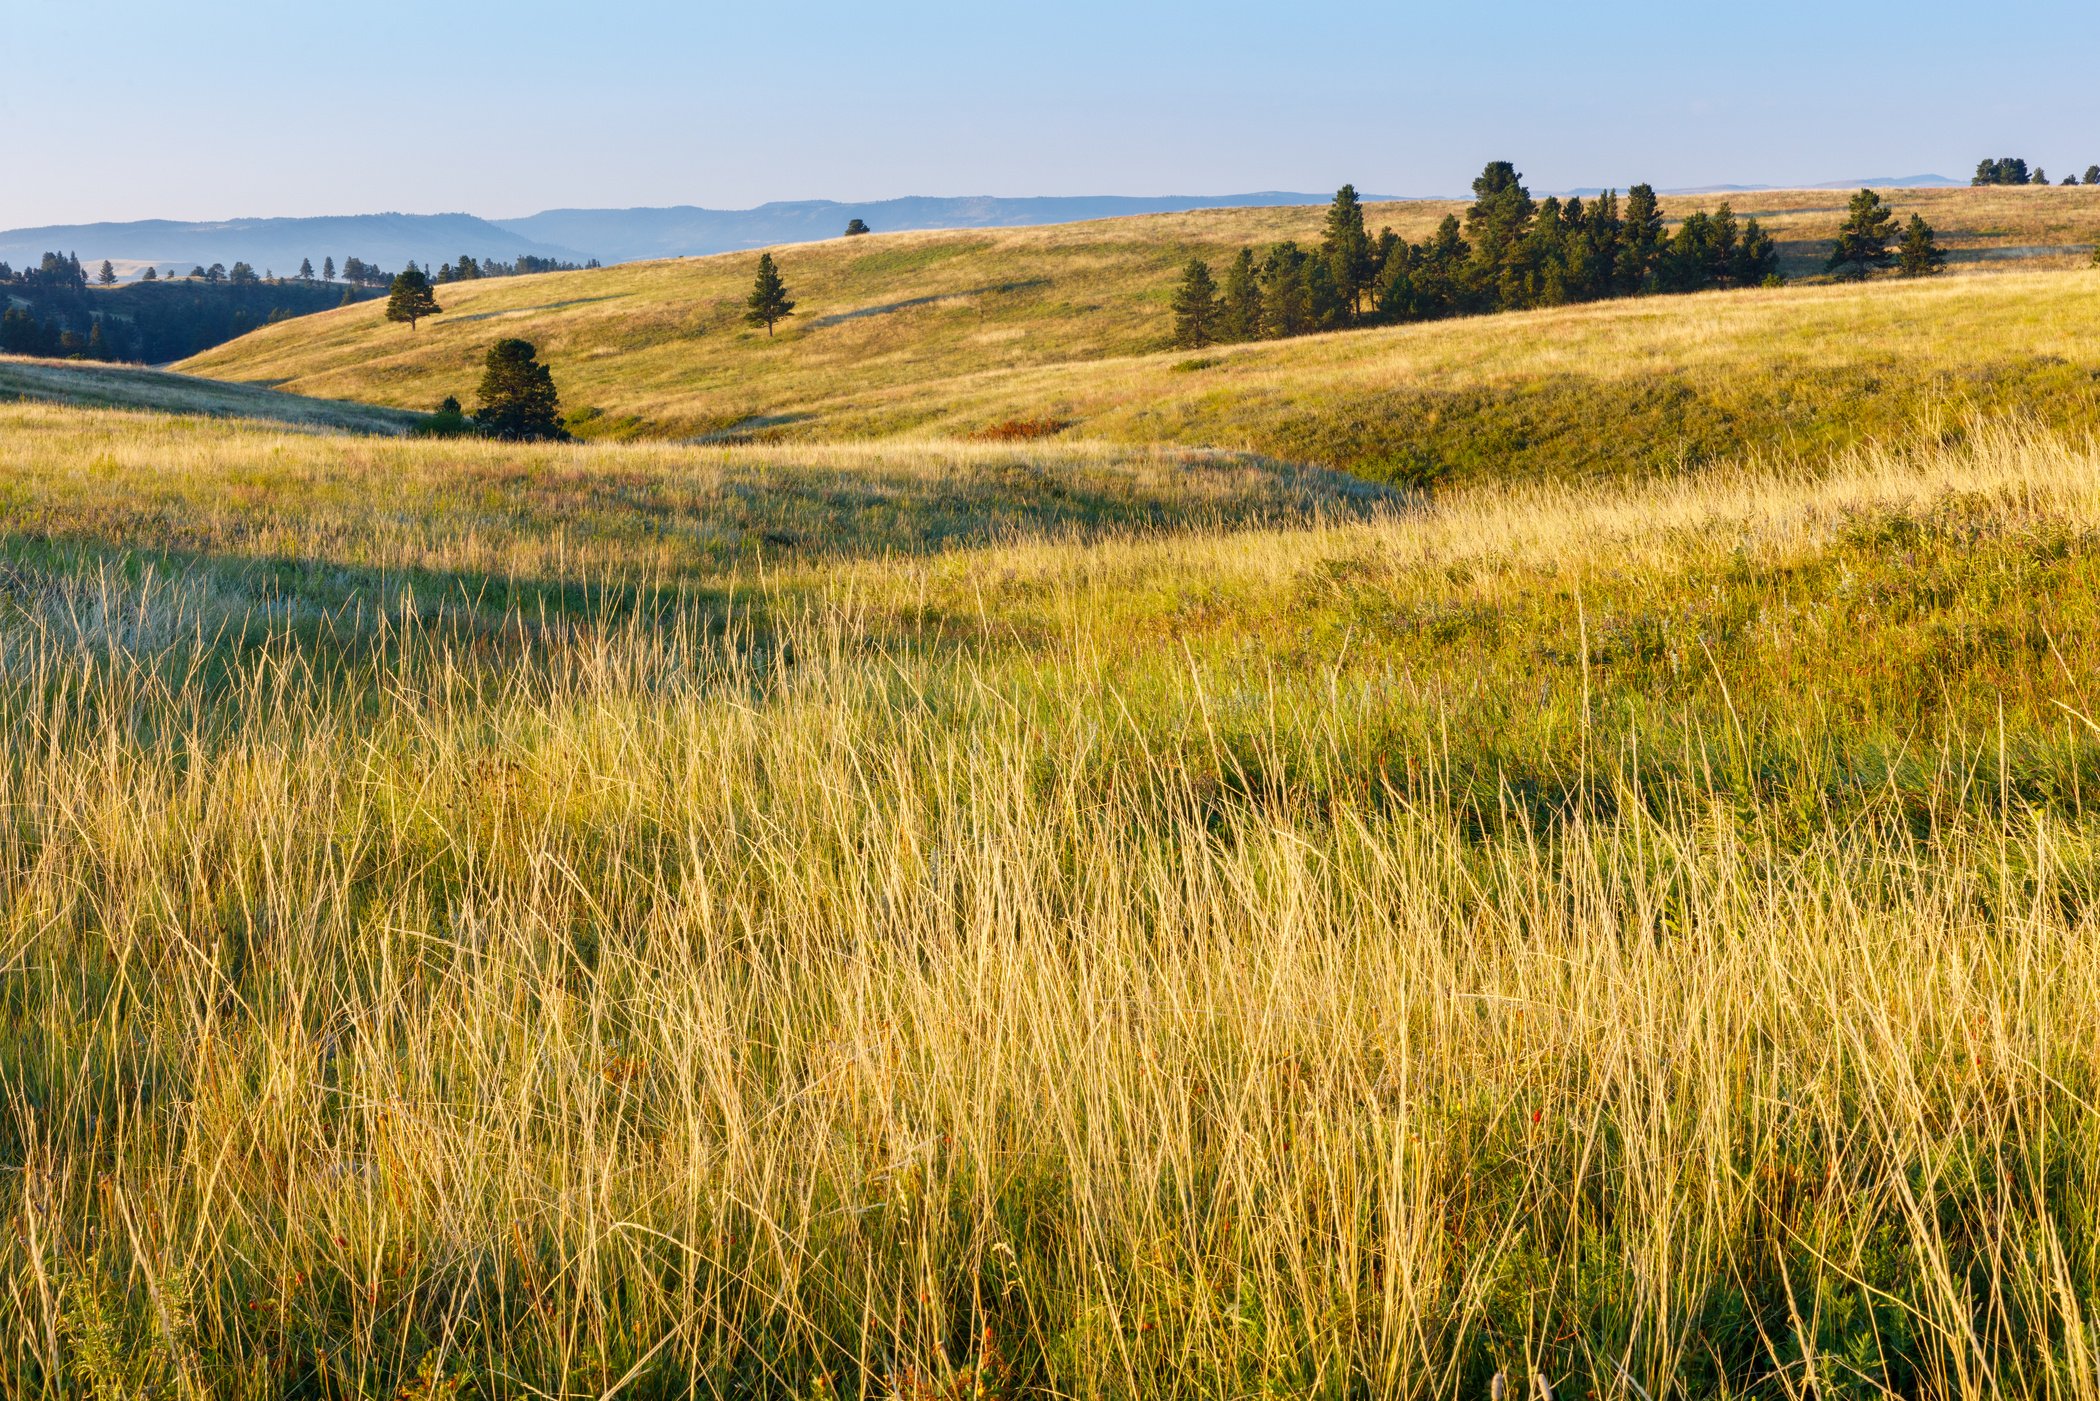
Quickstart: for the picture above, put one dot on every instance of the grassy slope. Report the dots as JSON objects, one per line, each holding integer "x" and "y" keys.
{"x": 896, "y": 332}
{"x": 128, "y": 387}
{"x": 1584, "y": 927}
{"x": 342, "y": 512}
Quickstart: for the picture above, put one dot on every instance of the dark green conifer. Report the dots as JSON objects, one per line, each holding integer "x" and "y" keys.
{"x": 411, "y": 299}
{"x": 1347, "y": 248}
{"x": 518, "y": 401}
{"x": 768, "y": 302}
{"x": 1641, "y": 241}
{"x": 1863, "y": 239}
{"x": 1919, "y": 255}
{"x": 1239, "y": 316}
{"x": 1195, "y": 306}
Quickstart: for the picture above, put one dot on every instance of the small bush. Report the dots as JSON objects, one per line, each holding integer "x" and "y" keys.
{"x": 446, "y": 422}
{"x": 1021, "y": 430}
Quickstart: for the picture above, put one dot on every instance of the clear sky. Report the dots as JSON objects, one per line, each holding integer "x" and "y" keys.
{"x": 121, "y": 109}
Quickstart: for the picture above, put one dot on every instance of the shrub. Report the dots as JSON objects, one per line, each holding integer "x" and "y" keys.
{"x": 1021, "y": 430}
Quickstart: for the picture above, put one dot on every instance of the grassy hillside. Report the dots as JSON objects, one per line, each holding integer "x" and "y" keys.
{"x": 956, "y": 333}
{"x": 127, "y": 387}
{"x": 474, "y": 921}
{"x": 340, "y": 514}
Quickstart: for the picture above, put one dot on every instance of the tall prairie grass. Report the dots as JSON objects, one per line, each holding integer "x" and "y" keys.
{"x": 1186, "y": 966}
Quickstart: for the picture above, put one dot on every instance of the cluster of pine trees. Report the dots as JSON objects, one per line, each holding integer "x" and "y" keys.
{"x": 470, "y": 269}
{"x": 23, "y": 333}
{"x": 1512, "y": 252}
{"x": 2012, "y": 170}
{"x": 58, "y": 272}
{"x": 53, "y": 310}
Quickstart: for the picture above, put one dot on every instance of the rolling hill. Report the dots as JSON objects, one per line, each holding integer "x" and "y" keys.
{"x": 79, "y": 385}
{"x": 960, "y": 333}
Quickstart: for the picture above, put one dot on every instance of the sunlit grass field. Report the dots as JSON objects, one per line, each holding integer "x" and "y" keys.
{"x": 927, "y": 920}
{"x": 952, "y": 334}
{"x": 87, "y": 385}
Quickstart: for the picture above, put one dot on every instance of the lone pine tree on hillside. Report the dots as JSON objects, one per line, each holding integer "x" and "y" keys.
{"x": 306, "y": 269}
{"x": 1863, "y": 239}
{"x": 328, "y": 269}
{"x": 1918, "y": 255}
{"x": 857, "y": 227}
{"x": 411, "y": 298}
{"x": 768, "y": 302}
{"x": 518, "y": 402}
{"x": 1196, "y": 306}
{"x": 108, "y": 276}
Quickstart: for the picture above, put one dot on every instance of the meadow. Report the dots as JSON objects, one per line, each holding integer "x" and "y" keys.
{"x": 920, "y": 919}
{"x": 1063, "y": 330}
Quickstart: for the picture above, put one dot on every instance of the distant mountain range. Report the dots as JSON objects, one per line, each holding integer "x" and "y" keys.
{"x": 1878, "y": 182}
{"x": 623, "y": 235}
{"x": 277, "y": 245}
{"x": 627, "y": 235}
{"x": 573, "y": 235}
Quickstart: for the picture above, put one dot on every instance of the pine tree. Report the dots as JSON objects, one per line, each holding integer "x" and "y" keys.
{"x": 1602, "y": 230}
{"x": 2040, "y": 177}
{"x": 1918, "y": 255}
{"x": 1394, "y": 296}
{"x": 151, "y": 274}
{"x": 1195, "y": 306}
{"x": 2092, "y": 175}
{"x": 856, "y": 227}
{"x": 1496, "y": 223}
{"x": 410, "y": 299}
{"x": 1756, "y": 258}
{"x": 768, "y": 302}
{"x": 1239, "y": 318}
{"x": 1641, "y": 240}
{"x": 108, "y": 276}
{"x": 1284, "y": 310}
{"x": 1863, "y": 239}
{"x": 1347, "y": 248}
{"x": 518, "y": 401}
{"x": 306, "y": 269}
{"x": 1439, "y": 272}
{"x": 328, "y": 269}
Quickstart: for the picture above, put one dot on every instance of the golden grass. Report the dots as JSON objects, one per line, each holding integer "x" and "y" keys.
{"x": 128, "y": 386}
{"x": 1344, "y": 960}
{"x": 958, "y": 333}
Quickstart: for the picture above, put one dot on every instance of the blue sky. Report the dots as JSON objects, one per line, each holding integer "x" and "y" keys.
{"x": 120, "y": 109}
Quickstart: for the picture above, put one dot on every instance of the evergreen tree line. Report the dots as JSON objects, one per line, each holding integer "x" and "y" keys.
{"x": 1510, "y": 253}
{"x": 2011, "y": 170}
{"x": 52, "y": 311}
{"x": 58, "y": 272}
{"x": 469, "y": 269}
{"x": 22, "y": 332}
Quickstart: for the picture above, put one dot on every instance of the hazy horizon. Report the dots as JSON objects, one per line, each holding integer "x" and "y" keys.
{"x": 239, "y": 110}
